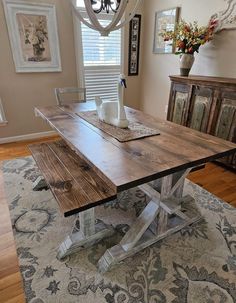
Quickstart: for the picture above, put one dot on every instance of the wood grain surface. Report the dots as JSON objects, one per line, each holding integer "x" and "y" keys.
{"x": 132, "y": 163}
{"x": 212, "y": 81}
{"x": 72, "y": 181}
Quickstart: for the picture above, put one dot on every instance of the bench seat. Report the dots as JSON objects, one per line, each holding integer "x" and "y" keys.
{"x": 74, "y": 182}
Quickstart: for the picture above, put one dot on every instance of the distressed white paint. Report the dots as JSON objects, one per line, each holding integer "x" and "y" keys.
{"x": 226, "y": 18}
{"x": 87, "y": 222}
{"x": 89, "y": 234}
{"x": 139, "y": 236}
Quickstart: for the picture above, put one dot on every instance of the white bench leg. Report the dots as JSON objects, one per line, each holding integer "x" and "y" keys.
{"x": 90, "y": 233}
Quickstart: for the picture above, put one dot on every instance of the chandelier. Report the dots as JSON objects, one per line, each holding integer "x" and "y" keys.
{"x": 116, "y": 8}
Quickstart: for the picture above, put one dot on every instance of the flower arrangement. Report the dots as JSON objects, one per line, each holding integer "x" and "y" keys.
{"x": 188, "y": 37}
{"x": 36, "y": 35}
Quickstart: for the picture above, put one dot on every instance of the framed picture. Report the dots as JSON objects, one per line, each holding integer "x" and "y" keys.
{"x": 164, "y": 20}
{"x": 32, "y": 29}
{"x": 134, "y": 44}
{"x": 3, "y": 120}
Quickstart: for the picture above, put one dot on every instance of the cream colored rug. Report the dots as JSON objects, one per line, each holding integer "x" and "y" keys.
{"x": 196, "y": 265}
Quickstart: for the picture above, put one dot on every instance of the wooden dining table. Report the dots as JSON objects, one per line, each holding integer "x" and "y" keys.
{"x": 89, "y": 167}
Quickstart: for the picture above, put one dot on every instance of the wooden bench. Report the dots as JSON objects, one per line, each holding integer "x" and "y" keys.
{"x": 74, "y": 183}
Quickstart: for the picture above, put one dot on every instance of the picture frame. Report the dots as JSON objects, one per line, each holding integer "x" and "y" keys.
{"x": 3, "y": 120}
{"x": 32, "y": 30}
{"x": 134, "y": 45}
{"x": 165, "y": 19}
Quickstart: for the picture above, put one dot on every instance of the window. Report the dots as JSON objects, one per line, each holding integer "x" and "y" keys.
{"x": 101, "y": 61}
{"x": 2, "y": 115}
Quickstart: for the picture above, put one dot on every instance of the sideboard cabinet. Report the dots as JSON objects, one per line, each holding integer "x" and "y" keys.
{"x": 207, "y": 104}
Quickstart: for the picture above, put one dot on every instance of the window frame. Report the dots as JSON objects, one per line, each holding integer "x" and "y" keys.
{"x": 79, "y": 47}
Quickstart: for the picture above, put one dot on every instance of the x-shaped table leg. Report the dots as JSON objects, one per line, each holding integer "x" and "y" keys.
{"x": 143, "y": 231}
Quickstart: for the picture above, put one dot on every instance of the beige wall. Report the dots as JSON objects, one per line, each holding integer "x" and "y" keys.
{"x": 21, "y": 92}
{"x": 132, "y": 95}
{"x": 218, "y": 58}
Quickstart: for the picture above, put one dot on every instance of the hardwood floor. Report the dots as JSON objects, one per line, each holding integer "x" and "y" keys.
{"x": 20, "y": 149}
{"x": 217, "y": 180}
{"x": 213, "y": 178}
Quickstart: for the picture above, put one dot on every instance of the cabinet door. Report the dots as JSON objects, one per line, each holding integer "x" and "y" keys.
{"x": 200, "y": 107}
{"x": 178, "y": 103}
{"x": 226, "y": 123}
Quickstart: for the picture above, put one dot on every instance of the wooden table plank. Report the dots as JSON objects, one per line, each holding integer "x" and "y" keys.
{"x": 198, "y": 143}
{"x": 139, "y": 161}
{"x": 94, "y": 148}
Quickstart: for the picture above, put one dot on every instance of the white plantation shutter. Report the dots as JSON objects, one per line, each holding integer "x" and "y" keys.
{"x": 101, "y": 81}
{"x": 102, "y": 63}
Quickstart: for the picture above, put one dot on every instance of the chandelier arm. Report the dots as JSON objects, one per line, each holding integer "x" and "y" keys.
{"x": 113, "y": 25}
{"x": 80, "y": 17}
{"x": 92, "y": 16}
{"x": 131, "y": 15}
{"x": 117, "y": 17}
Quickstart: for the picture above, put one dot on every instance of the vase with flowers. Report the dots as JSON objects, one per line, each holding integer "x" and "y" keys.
{"x": 36, "y": 35}
{"x": 188, "y": 37}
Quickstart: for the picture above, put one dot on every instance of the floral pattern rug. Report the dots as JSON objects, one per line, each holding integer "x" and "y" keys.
{"x": 195, "y": 265}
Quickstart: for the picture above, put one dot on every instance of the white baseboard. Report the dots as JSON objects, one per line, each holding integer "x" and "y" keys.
{"x": 3, "y": 123}
{"x": 27, "y": 137}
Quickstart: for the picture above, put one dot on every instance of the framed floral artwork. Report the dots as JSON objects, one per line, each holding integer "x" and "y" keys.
{"x": 165, "y": 21}
{"x": 32, "y": 29}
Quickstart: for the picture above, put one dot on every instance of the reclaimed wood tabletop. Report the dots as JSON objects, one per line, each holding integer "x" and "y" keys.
{"x": 135, "y": 162}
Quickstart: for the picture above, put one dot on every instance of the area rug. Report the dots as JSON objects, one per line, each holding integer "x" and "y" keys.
{"x": 195, "y": 265}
